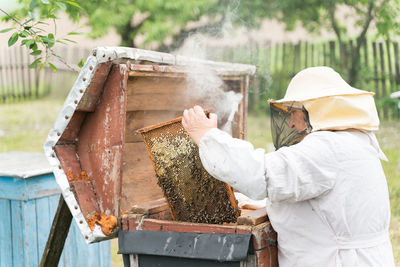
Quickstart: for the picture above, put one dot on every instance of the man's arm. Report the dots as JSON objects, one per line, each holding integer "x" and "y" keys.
{"x": 230, "y": 160}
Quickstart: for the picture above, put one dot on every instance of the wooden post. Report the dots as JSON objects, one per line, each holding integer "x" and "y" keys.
{"x": 364, "y": 81}
{"x": 389, "y": 58}
{"x": 383, "y": 77}
{"x": 306, "y": 55}
{"x": 396, "y": 62}
{"x": 3, "y": 83}
{"x": 255, "y": 56}
{"x": 312, "y": 55}
{"x": 375, "y": 54}
{"x": 58, "y": 234}
{"x": 332, "y": 53}
{"x": 284, "y": 56}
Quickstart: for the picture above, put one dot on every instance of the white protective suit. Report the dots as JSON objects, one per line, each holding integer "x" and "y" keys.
{"x": 327, "y": 196}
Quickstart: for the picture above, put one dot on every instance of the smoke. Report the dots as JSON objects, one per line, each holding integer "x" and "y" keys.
{"x": 204, "y": 84}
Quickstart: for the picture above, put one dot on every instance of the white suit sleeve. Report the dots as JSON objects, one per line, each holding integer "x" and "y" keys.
{"x": 234, "y": 161}
{"x": 299, "y": 172}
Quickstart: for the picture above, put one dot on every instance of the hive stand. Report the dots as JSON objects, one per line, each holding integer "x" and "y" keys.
{"x": 58, "y": 233}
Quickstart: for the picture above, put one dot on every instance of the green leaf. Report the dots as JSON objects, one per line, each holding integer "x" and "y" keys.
{"x": 36, "y": 52}
{"x": 52, "y": 67}
{"x": 35, "y": 62}
{"x": 74, "y": 33}
{"x": 28, "y": 43}
{"x": 61, "y": 5}
{"x": 33, "y": 46}
{"x": 6, "y": 30}
{"x": 13, "y": 39}
{"x": 46, "y": 2}
{"x": 73, "y": 4}
{"x": 26, "y": 22}
{"x": 69, "y": 40}
{"x": 62, "y": 42}
{"x": 51, "y": 40}
{"x": 24, "y": 34}
{"x": 52, "y": 16}
{"x": 33, "y": 4}
{"x": 81, "y": 63}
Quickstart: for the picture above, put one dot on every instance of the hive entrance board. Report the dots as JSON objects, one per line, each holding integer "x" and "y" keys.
{"x": 193, "y": 195}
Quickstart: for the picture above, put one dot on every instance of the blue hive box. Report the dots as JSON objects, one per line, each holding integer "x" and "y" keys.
{"x": 29, "y": 196}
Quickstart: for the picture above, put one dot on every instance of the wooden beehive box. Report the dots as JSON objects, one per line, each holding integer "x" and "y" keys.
{"x": 100, "y": 163}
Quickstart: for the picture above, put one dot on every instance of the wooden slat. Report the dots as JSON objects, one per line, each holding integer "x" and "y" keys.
{"x": 138, "y": 119}
{"x": 312, "y": 55}
{"x": 139, "y": 182}
{"x": 149, "y": 93}
{"x": 43, "y": 222}
{"x": 5, "y": 233}
{"x": 18, "y": 240}
{"x": 375, "y": 60}
{"x": 150, "y": 207}
{"x": 160, "y": 102}
{"x": 332, "y": 55}
{"x": 390, "y": 69}
{"x": 383, "y": 80}
{"x": 156, "y": 85}
{"x": 30, "y": 233}
{"x": 3, "y": 82}
{"x": 306, "y": 55}
{"x": 396, "y": 62}
{"x": 253, "y": 218}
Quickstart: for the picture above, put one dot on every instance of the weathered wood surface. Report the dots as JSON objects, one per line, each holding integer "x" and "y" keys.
{"x": 139, "y": 181}
{"x": 253, "y": 218}
{"x": 138, "y": 119}
{"x": 58, "y": 234}
{"x": 101, "y": 139}
{"x": 150, "y": 207}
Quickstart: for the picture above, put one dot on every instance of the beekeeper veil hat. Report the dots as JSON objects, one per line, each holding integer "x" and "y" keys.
{"x": 331, "y": 103}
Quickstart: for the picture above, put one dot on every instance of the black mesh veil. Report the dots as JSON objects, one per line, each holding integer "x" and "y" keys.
{"x": 282, "y": 134}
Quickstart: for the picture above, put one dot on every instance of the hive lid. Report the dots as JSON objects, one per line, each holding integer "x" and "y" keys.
{"x": 88, "y": 104}
{"x": 20, "y": 164}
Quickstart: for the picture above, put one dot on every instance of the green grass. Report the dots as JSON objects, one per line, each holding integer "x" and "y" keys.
{"x": 24, "y": 126}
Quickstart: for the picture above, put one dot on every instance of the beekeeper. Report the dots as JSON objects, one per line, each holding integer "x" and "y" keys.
{"x": 327, "y": 196}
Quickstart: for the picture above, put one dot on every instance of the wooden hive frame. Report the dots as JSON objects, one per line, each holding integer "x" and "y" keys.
{"x": 101, "y": 166}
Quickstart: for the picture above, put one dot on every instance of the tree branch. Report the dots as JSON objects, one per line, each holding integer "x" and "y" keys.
{"x": 35, "y": 36}
{"x": 360, "y": 39}
{"x": 335, "y": 27}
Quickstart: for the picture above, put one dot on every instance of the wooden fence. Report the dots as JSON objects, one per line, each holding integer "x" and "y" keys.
{"x": 19, "y": 82}
{"x": 378, "y": 70}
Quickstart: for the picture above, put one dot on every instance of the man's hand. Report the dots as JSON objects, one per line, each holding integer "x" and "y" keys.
{"x": 197, "y": 124}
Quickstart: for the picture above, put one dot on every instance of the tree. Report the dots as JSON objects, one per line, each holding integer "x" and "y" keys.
{"x": 156, "y": 21}
{"x": 161, "y": 23}
{"x": 315, "y": 15}
{"x": 28, "y": 21}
